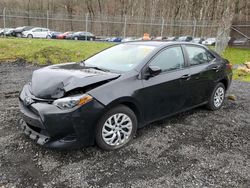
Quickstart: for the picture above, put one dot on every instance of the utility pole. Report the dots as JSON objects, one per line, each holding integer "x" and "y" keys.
{"x": 47, "y": 19}
{"x": 4, "y": 17}
{"x": 125, "y": 27}
{"x": 194, "y": 27}
{"x": 162, "y": 27}
{"x": 86, "y": 25}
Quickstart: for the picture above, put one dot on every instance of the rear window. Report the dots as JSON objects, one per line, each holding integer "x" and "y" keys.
{"x": 198, "y": 55}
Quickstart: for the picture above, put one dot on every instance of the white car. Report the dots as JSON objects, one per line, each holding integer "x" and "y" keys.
{"x": 209, "y": 41}
{"x": 37, "y": 32}
{"x": 128, "y": 39}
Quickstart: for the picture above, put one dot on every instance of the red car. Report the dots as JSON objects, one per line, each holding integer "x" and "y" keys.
{"x": 63, "y": 35}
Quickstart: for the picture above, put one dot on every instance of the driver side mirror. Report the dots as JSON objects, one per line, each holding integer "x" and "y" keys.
{"x": 154, "y": 70}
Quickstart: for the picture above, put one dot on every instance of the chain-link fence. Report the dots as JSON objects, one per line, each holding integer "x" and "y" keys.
{"x": 104, "y": 25}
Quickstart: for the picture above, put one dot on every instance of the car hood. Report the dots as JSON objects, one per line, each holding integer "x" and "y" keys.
{"x": 54, "y": 81}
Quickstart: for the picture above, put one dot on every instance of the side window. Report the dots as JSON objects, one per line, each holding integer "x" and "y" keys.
{"x": 198, "y": 55}
{"x": 169, "y": 59}
{"x": 37, "y": 30}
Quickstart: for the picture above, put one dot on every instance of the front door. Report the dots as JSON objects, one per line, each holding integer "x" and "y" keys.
{"x": 165, "y": 93}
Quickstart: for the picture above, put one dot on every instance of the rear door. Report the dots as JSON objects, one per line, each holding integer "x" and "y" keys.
{"x": 165, "y": 93}
{"x": 36, "y": 33}
{"x": 44, "y": 33}
{"x": 204, "y": 70}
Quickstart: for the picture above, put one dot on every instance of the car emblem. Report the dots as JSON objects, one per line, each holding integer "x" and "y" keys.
{"x": 27, "y": 101}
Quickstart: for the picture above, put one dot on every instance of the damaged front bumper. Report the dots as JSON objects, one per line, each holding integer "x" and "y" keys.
{"x": 52, "y": 127}
{"x": 39, "y": 138}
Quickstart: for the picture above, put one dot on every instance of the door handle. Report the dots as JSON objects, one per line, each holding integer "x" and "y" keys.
{"x": 185, "y": 77}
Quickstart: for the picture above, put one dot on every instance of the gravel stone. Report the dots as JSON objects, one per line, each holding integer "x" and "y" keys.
{"x": 198, "y": 148}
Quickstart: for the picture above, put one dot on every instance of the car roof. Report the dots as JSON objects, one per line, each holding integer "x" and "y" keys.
{"x": 39, "y": 28}
{"x": 160, "y": 44}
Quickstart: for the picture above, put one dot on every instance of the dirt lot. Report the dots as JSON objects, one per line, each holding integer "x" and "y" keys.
{"x": 199, "y": 148}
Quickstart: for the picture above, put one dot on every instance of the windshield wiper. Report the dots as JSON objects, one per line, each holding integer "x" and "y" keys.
{"x": 82, "y": 63}
{"x": 98, "y": 68}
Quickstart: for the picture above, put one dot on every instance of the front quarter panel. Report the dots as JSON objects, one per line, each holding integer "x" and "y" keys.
{"x": 124, "y": 89}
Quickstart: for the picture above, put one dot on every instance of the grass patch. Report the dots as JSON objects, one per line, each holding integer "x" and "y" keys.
{"x": 238, "y": 56}
{"x": 241, "y": 75}
{"x": 43, "y": 51}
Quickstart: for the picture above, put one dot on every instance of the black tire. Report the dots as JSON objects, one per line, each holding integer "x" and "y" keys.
{"x": 30, "y": 36}
{"x": 19, "y": 35}
{"x": 99, "y": 128}
{"x": 211, "y": 103}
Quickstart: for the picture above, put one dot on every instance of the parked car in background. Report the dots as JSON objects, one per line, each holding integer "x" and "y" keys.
{"x": 81, "y": 35}
{"x": 209, "y": 41}
{"x": 54, "y": 34}
{"x": 19, "y": 30}
{"x": 115, "y": 39}
{"x": 198, "y": 40}
{"x": 185, "y": 39}
{"x": 138, "y": 39}
{"x": 231, "y": 40}
{"x": 37, "y": 32}
{"x": 63, "y": 35}
{"x": 107, "y": 97}
{"x": 128, "y": 39}
{"x": 159, "y": 38}
{"x": 241, "y": 41}
{"x": 171, "y": 39}
{"x": 4, "y": 31}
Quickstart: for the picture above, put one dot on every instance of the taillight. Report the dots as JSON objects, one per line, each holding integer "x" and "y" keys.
{"x": 229, "y": 66}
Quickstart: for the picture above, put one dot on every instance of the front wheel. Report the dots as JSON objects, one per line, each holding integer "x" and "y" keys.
{"x": 116, "y": 128}
{"x": 217, "y": 98}
{"x": 30, "y": 36}
{"x": 19, "y": 35}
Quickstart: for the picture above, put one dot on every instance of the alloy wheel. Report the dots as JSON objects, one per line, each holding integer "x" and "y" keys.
{"x": 219, "y": 97}
{"x": 117, "y": 129}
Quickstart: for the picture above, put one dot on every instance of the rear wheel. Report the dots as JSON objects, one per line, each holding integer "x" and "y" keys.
{"x": 19, "y": 35}
{"x": 217, "y": 97}
{"x": 116, "y": 128}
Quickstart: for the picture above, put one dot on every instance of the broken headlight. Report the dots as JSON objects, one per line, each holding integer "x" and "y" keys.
{"x": 71, "y": 102}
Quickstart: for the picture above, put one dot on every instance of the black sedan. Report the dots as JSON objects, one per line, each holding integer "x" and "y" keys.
{"x": 19, "y": 30}
{"x": 81, "y": 36}
{"x": 107, "y": 97}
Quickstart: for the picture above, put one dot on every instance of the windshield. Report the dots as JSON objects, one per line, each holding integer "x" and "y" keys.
{"x": 122, "y": 58}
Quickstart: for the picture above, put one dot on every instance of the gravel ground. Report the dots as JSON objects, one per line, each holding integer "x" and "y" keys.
{"x": 198, "y": 148}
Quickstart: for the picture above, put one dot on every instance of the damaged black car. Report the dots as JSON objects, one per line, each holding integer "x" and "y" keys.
{"x": 107, "y": 97}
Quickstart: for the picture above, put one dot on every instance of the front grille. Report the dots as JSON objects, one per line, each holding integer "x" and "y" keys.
{"x": 38, "y": 130}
